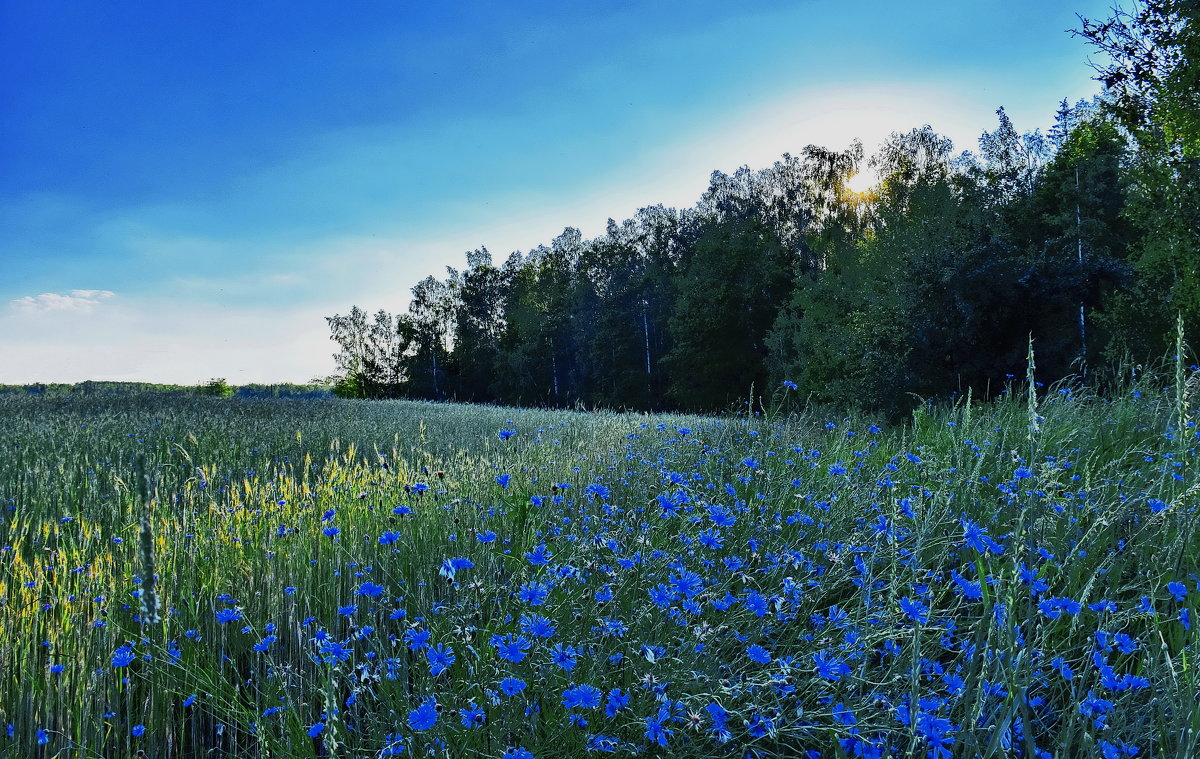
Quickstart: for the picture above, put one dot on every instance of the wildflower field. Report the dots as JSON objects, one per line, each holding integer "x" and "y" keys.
{"x": 228, "y": 578}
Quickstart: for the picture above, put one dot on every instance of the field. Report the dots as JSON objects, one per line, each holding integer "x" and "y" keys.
{"x": 227, "y": 578}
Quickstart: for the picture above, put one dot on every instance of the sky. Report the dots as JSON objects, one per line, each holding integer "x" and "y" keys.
{"x": 188, "y": 189}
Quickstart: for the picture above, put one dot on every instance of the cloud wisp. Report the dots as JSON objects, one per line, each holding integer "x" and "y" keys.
{"x": 78, "y": 301}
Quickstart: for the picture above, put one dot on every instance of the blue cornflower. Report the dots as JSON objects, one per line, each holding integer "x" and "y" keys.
{"x": 751, "y": 463}
{"x": 537, "y": 625}
{"x": 603, "y": 743}
{"x": 510, "y": 648}
{"x": 487, "y": 536}
{"x": 596, "y": 490}
{"x": 42, "y": 737}
{"x": 265, "y": 643}
{"x": 1056, "y": 607}
{"x": 790, "y": 385}
{"x": 935, "y": 730}
{"x": 656, "y": 732}
{"x": 830, "y": 667}
{"x": 518, "y": 752}
{"x": 534, "y": 593}
{"x": 687, "y": 583}
{"x": 1096, "y": 707}
{"x": 711, "y": 539}
{"x": 503, "y": 479}
{"x": 505, "y": 434}
{"x": 843, "y": 716}
{"x": 123, "y": 656}
{"x": 424, "y": 716}
{"x": 511, "y": 686}
{"x": 759, "y": 654}
{"x": 616, "y": 702}
{"x": 472, "y": 716}
{"x": 721, "y": 516}
{"x": 1022, "y": 473}
{"x": 976, "y": 537}
{"x": 388, "y": 537}
{"x": 756, "y": 603}
{"x": 416, "y": 638}
{"x": 1177, "y": 589}
{"x": 662, "y": 596}
{"x": 540, "y": 555}
{"x": 138, "y": 731}
{"x": 1125, "y": 644}
{"x": 582, "y": 697}
{"x": 564, "y": 656}
{"x": 189, "y": 700}
{"x": 720, "y": 717}
{"x": 914, "y": 609}
{"x": 440, "y": 657}
{"x": 228, "y": 615}
{"x": 316, "y": 729}
{"x": 394, "y": 745}
{"x": 331, "y": 531}
{"x": 348, "y": 610}
{"x": 334, "y": 652}
{"x": 612, "y": 628}
{"x": 1157, "y": 506}
{"x": 370, "y": 589}
{"x": 967, "y": 588}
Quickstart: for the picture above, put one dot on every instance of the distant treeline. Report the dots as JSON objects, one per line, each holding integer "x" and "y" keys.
{"x": 216, "y": 387}
{"x": 1084, "y": 239}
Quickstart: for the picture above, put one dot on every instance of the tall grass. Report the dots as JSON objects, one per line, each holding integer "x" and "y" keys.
{"x": 191, "y": 576}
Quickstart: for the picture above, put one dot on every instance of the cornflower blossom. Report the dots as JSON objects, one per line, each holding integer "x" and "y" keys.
{"x": 424, "y": 716}
{"x": 534, "y": 593}
{"x": 511, "y": 649}
{"x": 830, "y": 667}
{"x": 914, "y": 609}
{"x": 976, "y": 537}
{"x": 511, "y": 686}
{"x": 472, "y": 716}
{"x": 228, "y": 615}
{"x": 564, "y": 656}
{"x": 123, "y": 656}
{"x": 537, "y": 625}
{"x": 440, "y": 657}
{"x": 582, "y": 697}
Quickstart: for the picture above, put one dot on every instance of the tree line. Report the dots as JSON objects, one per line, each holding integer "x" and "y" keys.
{"x": 932, "y": 283}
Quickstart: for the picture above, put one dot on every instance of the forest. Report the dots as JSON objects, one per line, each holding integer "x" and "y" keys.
{"x": 1081, "y": 241}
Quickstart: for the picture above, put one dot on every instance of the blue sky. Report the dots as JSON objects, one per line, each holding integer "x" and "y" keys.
{"x": 189, "y": 188}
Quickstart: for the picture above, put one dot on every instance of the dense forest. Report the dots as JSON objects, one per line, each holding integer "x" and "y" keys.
{"x": 1083, "y": 239}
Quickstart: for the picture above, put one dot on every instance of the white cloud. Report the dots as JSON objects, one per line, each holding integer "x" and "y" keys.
{"x": 79, "y": 301}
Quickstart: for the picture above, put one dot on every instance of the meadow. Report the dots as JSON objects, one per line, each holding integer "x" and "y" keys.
{"x": 272, "y": 578}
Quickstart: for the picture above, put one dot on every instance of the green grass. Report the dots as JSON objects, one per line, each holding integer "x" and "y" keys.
{"x": 113, "y": 509}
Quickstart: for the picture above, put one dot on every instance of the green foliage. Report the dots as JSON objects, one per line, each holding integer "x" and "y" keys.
{"x": 216, "y": 387}
{"x": 1154, "y": 93}
{"x": 726, "y": 300}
